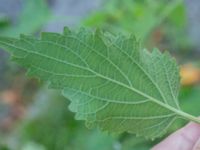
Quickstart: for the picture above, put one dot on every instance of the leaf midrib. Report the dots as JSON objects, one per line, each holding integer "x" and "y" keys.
{"x": 178, "y": 112}
{"x": 123, "y": 74}
{"x": 140, "y": 67}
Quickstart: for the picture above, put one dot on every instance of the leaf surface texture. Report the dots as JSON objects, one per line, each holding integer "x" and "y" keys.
{"x": 110, "y": 80}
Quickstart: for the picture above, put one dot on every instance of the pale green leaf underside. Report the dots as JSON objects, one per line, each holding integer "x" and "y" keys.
{"x": 111, "y": 82}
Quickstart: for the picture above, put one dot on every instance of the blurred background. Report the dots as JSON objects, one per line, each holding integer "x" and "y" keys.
{"x": 34, "y": 118}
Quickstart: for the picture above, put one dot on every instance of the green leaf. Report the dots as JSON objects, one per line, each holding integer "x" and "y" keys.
{"x": 111, "y": 82}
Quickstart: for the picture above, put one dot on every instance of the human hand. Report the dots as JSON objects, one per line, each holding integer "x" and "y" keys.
{"x": 186, "y": 138}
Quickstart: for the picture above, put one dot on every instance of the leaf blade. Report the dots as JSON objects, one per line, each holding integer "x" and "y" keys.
{"x": 110, "y": 82}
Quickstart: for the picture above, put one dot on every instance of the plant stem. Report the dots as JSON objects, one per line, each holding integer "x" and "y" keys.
{"x": 189, "y": 117}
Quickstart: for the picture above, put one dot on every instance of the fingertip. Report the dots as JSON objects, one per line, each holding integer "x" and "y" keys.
{"x": 191, "y": 131}
{"x": 184, "y": 139}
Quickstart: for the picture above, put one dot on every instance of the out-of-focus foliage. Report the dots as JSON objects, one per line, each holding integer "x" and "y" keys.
{"x": 190, "y": 98}
{"x": 50, "y": 126}
{"x": 189, "y": 74}
{"x": 3, "y": 21}
{"x": 35, "y": 13}
{"x": 138, "y": 143}
{"x": 31, "y": 18}
{"x": 160, "y": 20}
